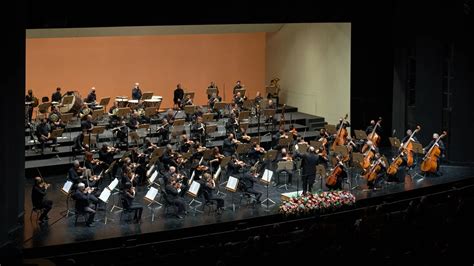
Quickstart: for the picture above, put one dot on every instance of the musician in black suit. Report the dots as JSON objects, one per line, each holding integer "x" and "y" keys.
{"x": 56, "y": 97}
{"x": 172, "y": 196}
{"x": 208, "y": 187}
{"x": 128, "y": 203}
{"x": 237, "y": 86}
{"x": 38, "y": 198}
{"x": 178, "y": 96}
{"x": 136, "y": 92}
{"x": 163, "y": 132}
{"x": 370, "y": 128}
{"x": 232, "y": 124}
{"x": 87, "y": 124}
{"x": 308, "y": 163}
{"x": 32, "y": 101}
{"x": 198, "y": 130}
{"x": 91, "y": 97}
{"x": 247, "y": 182}
{"x": 43, "y": 132}
{"x": 82, "y": 198}
{"x": 228, "y": 147}
{"x": 213, "y": 86}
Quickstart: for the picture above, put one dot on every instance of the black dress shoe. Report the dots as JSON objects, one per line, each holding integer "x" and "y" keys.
{"x": 90, "y": 225}
{"x": 179, "y": 216}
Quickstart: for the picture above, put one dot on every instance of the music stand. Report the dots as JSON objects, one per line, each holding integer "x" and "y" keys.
{"x": 231, "y": 186}
{"x": 331, "y": 129}
{"x": 104, "y": 197}
{"x": 244, "y": 125}
{"x": 321, "y": 172}
{"x": 43, "y": 108}
{"x": 248, "y": 104}
{"x": 266, "y": 179}
{"x": 269, "y": 112}
{"x": 316, "y": 144}
{"x": 220, "y": 105}
{"x": 341, "y": 150}
{"x": 287, "y": 166}
{"x": 146, "y": 95}
{"x": 244, "y": 115}
{"x": 271, "y": 90}
{"x": 150, "y": 199}
{"x": 67, "y": 99}
{"x": 97, "y": 130}
{"x": 360, "y": 134}
{"x": 134, "y": 137}
{"x": 242, "y": 92}
{"x": 284, "y": 142}
{"x": 210, "y": 91}
{"x": 189, "y": 109}
{"x": 66, "y": 190}
{"x": 417, "y": 149}
{"x": 254, "y": 140}
{"x": 97, "y": 113}
{"x": 302, "y": 148}
{"x": 123, "y": 111}
{"x": 104, "y": 101}
{"x": 208, "y": 117}
{"x": 242, "y": 148}
{"x": 193, "y": 192}
{"x": 113, "y": 187}
{"x": 394, "y": 142}
{"x": 54, "y": 135}
{"x": 357, "y": 159}
{"x": 178, "y": 122}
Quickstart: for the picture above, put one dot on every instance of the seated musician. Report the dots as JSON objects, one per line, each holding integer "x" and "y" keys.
{"x": 284, "y": 157}
{"x": 91, "y": 98}
{"x": 82, "y": 196}
{"x": 235, "y": 166}
{"x": 55, "y": 118}
{"x": 232, "y": 124}
{"x": 87, "y": 124}
{"x": 235, "y": 110}
{"x": 169, "y": 157}
{"x": 128, "y": 197}
{"x": 188, "y": 100}
{"x": 370, "y": 128}
{"x": 186, "y": 144}
{"x": 178, "y": 97}
{"x": 76, "y": 173}
{"x": 213, "y": 86}
{"x": 85, "y": 111}
{"x": 163, "y": 132}
{"x": 247, "y": 182}
{"x": 256, "y": 153}
{"x": 214, "y": 99}
{"x": 92, "y": 164}
{"x": 133, "y": 122}
{"x": 128, "y": 175}
{"x": 208, "y": 187}
{"x": 79, "y": 146}
{"x": 277, "y": 136}
{"x": 239, "y": 100}
{"x": 32, "y": 103}
{"x": 441, "y": 146}
{"x": 344, "y": 124}
{"x": 121, "y": 134}
{"x": 198, "y": 130}
{"x": 229, "y": 145}
{"x": 258, "y": 98}
{"x": 380, "y": 174}
{"x": 106, "y": 155}
{"x": 43, "y": 132}
{"x": 403, "y": 141}
{"x": 217, "y": 158}
{"x": 172, "y": 189}
{"x": 38, "y": 198}
{"x": 56, "y": 97}
{"x": 136, "y": 92}
{"x": 170, "y": 116}
{"x": 342, "y": 174}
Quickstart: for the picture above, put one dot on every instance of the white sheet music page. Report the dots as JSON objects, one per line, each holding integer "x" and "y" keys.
{"x": 267, "y": 176}
{"x": 232, "y": 183}
{"x": 153, "y": 177}
{"x": 151, "y": 194}
{"x": 104, "y": 196}
{"x": 67, "y": 186}
{"x": 194, "y": 188}
{"x": 113, "y": 184}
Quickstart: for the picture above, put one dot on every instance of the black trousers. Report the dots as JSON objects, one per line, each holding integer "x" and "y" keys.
{"x": 308, "y": 182}
{"x": 46, "y": 205}
{"x": 138, "y": 211}
{"x": 219, "y": 201}
{"x": 257, "y": 194}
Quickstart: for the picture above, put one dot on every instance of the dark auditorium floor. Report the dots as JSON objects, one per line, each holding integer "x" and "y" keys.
{"x": 61, "y": 230}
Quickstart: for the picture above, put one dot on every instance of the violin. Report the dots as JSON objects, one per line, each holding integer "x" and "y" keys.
{"x": 406, "y": 148}
{"x": 430, "y": 161}
{"x": 373, "y": 136}
{"x": 341, "y": 135}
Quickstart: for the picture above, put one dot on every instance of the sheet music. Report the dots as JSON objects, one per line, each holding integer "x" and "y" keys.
{"x": 151, "y": 194}
{"x": 148, "y": 173}
{"x": 267, "y": 176}
{"x": 192, "y": 178}
{"x": 113, "y": 184}
{"x": 153, "y": 177}
{"x": 194, "y": 188}
{"x": 232, "y": 183}
{"x": 67, "y": 186}
{"x": 104, "y": 196}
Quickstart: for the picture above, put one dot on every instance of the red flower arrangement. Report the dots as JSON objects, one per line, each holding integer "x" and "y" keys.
{"x": 327, "y": 200}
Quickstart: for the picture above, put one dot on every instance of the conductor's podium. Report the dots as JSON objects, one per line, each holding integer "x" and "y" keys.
{"x": 289, "y": 195}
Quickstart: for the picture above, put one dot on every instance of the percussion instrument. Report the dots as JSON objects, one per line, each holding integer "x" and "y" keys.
{"x": 151, "y": 103}
{"x": 55, "y": 103}
{"x": 53, "y": 117}
{"x": 122, "y": 101}
{"x": 75, "y": 106}
{"x": 132, "y": 103}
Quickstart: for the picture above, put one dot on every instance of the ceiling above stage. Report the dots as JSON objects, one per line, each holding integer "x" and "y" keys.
{"x": 151, "y": 30}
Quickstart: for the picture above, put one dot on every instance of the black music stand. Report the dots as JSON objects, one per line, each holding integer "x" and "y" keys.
{"x": 357, "y": 159}
{"x": 302, "y": 148}
{"x": 97, "y": 130}
{"x": 122, "y": 112}
{"x": 207, "y": 117}
{"x": 224, "y": 162}
{"x": 190, "y": 109}
{"x": 146, "y": 95}
{"x": 248, "y": 104}
{"x": 66, "y": 118}
{"x": 208, "y": 130}
{"x": 231, "y": 186}
{"x": 330, "y": 129}
{"x": 150, "y": 199}
{"x": 287, "y": 166}
{"x": 242, "y": 149}
{"x": 244, "y": 115}
{"x": 269, "y": 113}
{"x": 284, "y": 142}
{"x": 193, "y": 191}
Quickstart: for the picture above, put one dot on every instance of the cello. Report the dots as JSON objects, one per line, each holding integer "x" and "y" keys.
{"x": 407, "y": 149}
{"x": 374, "y": 170}
{"x": 430, "y": 161}
{"x": 373, "y": 136}
{"x": 331, "y": 180}
{"x": 341, "y": 135}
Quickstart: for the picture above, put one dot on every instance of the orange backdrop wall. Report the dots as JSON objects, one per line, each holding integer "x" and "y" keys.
{"x": 113, "y": 64}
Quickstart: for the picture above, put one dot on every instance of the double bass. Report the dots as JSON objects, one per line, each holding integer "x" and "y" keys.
{"x": 373, "y": 136}
{"x": 341, "y": 135}
{"x": 407, "y": 149}
{"x": 430, "y": 161}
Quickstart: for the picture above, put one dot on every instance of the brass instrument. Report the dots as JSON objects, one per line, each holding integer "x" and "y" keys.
{"x": 54, "y": 117}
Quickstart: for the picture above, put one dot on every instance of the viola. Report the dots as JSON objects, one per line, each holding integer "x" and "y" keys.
{"x": 430, "y": 161}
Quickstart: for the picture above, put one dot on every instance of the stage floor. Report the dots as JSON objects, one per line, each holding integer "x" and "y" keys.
{"x": 61, "y": 230}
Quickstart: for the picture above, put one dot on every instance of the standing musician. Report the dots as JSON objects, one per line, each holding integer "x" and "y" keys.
{"x": 43, "y": 132}
{"x": 442, "y": 148}
{"x": 38, "y": 198}
{"x": 247, "y": 182}
{"x": 274, "y": 84}
{"x": 178, "y": 97}
{"x": 237, "y": 86}
{"x": 128, "y": 203}
{"x": 32, "y": 102}
{"x": 136, "y": 92}
{"x": 208, "y": 187}
{"x": 308, "y": 163}
{"x": 56, "y": 97}
{"x": 213, "y": 86}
